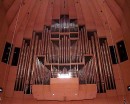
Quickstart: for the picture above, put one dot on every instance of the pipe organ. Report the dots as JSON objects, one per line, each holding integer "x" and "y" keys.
{"x": 65, "y": 48}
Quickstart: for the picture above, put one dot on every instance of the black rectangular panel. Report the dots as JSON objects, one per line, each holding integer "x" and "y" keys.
{"x": 122, "y": 51}
{"x": 7, "y": 52}
{"x": 15, "y": 56}
{"x": 113, "y": 54}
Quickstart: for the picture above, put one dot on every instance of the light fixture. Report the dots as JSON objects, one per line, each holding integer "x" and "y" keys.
{"x": 53, "y": 94}
{"x": 1, "y": 89}
{"x": 68, "y": 75}
{"x": 75, "y": 94}
{"x": 128, "y": 88}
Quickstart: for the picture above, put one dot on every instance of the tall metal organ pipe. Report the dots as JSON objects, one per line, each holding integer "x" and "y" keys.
{"x": 81, "y": 53}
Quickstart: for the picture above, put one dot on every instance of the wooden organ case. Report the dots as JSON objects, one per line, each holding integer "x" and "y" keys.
{"x": 65, "y": 48}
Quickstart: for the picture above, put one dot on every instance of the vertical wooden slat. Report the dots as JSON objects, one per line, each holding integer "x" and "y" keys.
{"x": 56, "y": 9}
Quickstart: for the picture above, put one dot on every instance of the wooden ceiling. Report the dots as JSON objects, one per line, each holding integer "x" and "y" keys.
{"x": 38, "y": 12}
{"x": 109, "y": 17}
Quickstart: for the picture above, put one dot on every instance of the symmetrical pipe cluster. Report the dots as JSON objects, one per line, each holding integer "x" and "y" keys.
{"x": 99, "y": 69}
{"x": 80, "y": 54}
{"x": 30, "y": 70}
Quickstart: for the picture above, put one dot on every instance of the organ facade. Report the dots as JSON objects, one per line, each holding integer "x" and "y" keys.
{"x": 51, "y": 47}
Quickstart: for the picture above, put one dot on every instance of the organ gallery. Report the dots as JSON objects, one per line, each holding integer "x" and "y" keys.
{"x": 64, "y": 51}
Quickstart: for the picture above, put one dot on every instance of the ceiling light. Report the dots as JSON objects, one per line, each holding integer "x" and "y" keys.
{"x": 53, "y": 94}
{"x": 1, "y": 90}
{"x": 64, "y": 75}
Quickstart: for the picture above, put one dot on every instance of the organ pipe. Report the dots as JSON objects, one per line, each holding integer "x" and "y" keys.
{"x": 81, "y": 53}
{"x": 110, "y": 64}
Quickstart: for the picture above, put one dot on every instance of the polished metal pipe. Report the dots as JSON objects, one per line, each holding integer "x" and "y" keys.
{"x": 107, "y": 68}
{"x": 46, "y": 41}
{"x": 76, "y": 52}
{"x": 35, "y": 53}
{"x": 109, "y": 63}
{"x": 66, "y": 40}
{"x": 69, "y": 50}
{"x": 60, "y": 53}
{"x": 22, "y": 68}
{"x": 93, "y": 79}
{"x": 81, "y": 46}
{"x": 83, "y": 43}
{"x": 62, "y": 50}
{"x": 98, "y": 58}
{"x": 49, "y": 48}
{"x": 79, "y": 51}
{"x": 25, "y": 67}
{"x": 52, "y": 53}
{"x": 96, "y": 77}
{"x": 87, "y": 42}
{"x": 36, "y": 72}
{"x": 64, "y": 47}
{"x": 30, "y": 64}
{"x": 43, "y": 42}
{"x": 96, "y": 63}
{"x": 75, "y": 46}
{"x": 104, "y": 68}
{"x": 89, "y": 72}
{"x": 38, "y": 48}
{"x": 19, "y": 65}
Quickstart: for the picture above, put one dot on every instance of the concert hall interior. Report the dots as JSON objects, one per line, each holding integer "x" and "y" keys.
{"x": 64, "y": 51}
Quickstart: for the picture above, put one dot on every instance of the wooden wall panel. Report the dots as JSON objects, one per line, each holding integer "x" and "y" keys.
{"x": 116, "y": 10}
{"x": 56, "y": 9}
{"x": 88, "y": 17}
{"x": 102, "y": 99}
{"x": 104, "y": 27}
{"x": 64, "y": 7}
{"x": 48, "y": 16}
{"x": 99, "y": 25}
{"x": 20, "y": 33}
{"x": 3, "y": 74}
{"x": 3, "y": 32}
{"x": 79, "y": 12}
{"x": 30, "y": 26}
{"x": 120, "y": 9}
{"x": 9, "y": 89}
{"x": 2, "y": 15}
{"x": 113, "y": 24}
{"x": 120, "y": 87}
{"x": 124, "y": 70}
{"x": 12, "y": 11}
{"x": 13, "y": 29}
{"x": 40, "y": 20}
{"x": 117, "y": 72}
{"x": 72, "y": 9}
{"x": 7, "y": 4}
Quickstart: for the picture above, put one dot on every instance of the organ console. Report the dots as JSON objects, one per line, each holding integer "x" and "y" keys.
{"x": 65, "y": 50}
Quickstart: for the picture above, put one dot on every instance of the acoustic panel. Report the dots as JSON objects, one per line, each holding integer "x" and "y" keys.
{"x": 122, "y": 51}
{"x": 7, "y": 52}
{"x": 15, "y": 56}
